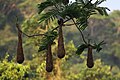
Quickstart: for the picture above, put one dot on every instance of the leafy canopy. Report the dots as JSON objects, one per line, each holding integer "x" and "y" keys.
{"x": 81, "y": 10}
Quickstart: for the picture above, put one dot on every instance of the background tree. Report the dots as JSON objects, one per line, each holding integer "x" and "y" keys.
{"x": 72, "y": 66}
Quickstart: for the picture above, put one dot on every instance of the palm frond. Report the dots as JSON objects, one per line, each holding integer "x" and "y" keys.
{"x": 81, "y": 10}
{"x": 99, "y": 2}
{"x": 47, "y": 39}
{"x": 51, "y": 15}
{"x": 87, "y": 8}
{"x": 47, "y": 3}
{"x": 102, "y": 10}
{"x": 44, "y": 5}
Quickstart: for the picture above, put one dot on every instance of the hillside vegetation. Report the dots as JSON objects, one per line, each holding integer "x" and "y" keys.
{"x": 73, "y": 66}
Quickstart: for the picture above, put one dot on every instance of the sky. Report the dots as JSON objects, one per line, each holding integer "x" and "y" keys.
{"x": 111, "y": 4}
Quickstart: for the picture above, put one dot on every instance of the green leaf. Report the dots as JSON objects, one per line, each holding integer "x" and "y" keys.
{"x": 44, "y": 5}
{"x": 81, "y": 10}
{"x": 81, "y": 48}
{"x": 99, "y": 2}
{"x": 98, "y": 49}
{"x": 42, "y": 47}
{"x": 100, "y": 10}
{"x": 82, "y": 23}
{"x": 47, "y": 39}
{"x": 105, "y": 12}
{"x": 83, "y": 26}
{"x": 101, "y": 43}
{"x": 98, "y": 46}
{"x": 47, "y": 16}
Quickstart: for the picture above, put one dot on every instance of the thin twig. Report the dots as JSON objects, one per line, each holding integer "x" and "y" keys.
{"x": 63, "y": 24}
{"x": 70, "y": 24}
{"x": 80, "y": 32}
{"x": 18, "y": 27}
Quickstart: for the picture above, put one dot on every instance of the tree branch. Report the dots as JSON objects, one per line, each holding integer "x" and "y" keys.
{"x": 63, "y": 24}
{"x": 18, "y": 27}
{"x": 80, "y": 32}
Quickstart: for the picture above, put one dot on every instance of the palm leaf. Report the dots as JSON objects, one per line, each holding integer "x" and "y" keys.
{"x": 51, "y": 15}
{"x": 44, "y": 5}
{"x": 102, "y": 10}
{"x": 99, "y": 2}
{"x": 47, "y": 3}
{"x": 49, "y": 38}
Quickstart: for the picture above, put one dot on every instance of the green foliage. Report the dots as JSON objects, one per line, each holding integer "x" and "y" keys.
{"x": 51, "y": 15}
{"x": 47, "y": 39}
{"x": 49, "y": 3}
{"x": 44, "y": 5}
{"x": 115, "y": 14}
{"x": 77, "y": 6}
{"x": 81, "y": 48}
{"x": 80, "y": 10}
{"x": 30, "y": 70}
{"x": 102, "y": 10}
{"x": 100, "y": 71}
{"x": 12, "y": 71}
{"x": 72, "y": 67}
{"x": 41, "y": 71}
{"x": 98, "y": 46}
